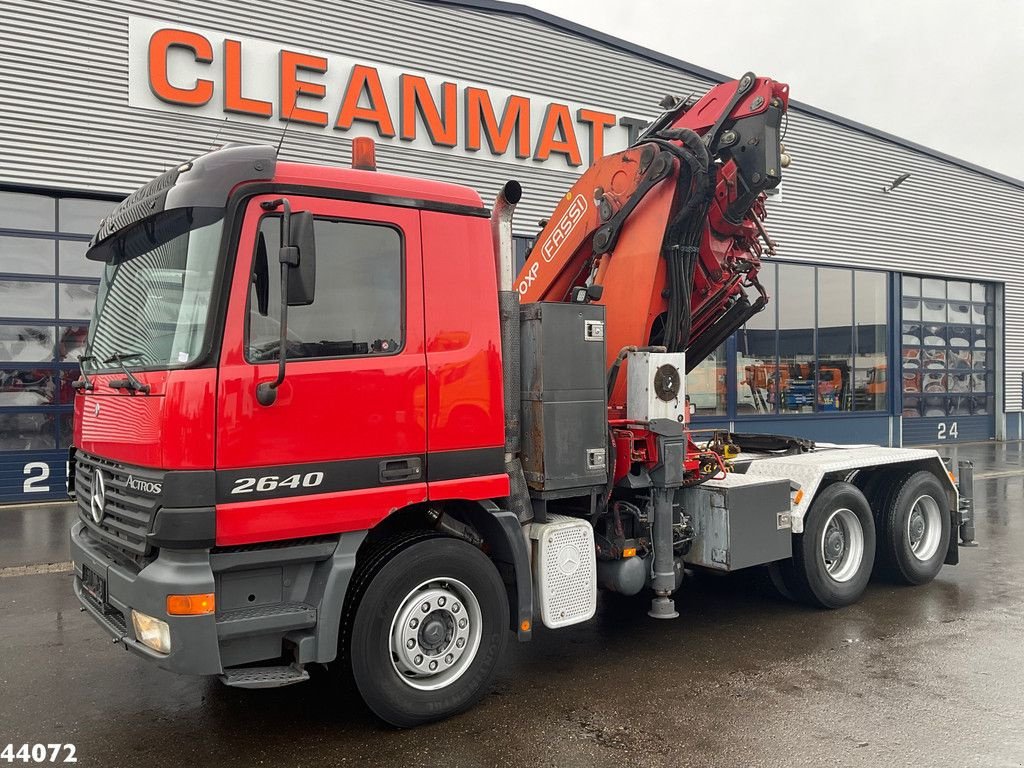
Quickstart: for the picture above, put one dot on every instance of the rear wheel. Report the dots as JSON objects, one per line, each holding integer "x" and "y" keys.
{"x": 832, "y": 558}
{"x": 427, "y": 631}
{"x": 914, "y": 526}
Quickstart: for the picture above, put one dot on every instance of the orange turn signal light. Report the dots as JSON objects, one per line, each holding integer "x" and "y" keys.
{"x": 525, "y": 626}
{"x": 190, "y": 605}
{"x": 799, "y": 496}
{"x": 629, "y": 552}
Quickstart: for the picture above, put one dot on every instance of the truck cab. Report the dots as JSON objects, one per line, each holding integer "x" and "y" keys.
{"x": 391, "y": 400}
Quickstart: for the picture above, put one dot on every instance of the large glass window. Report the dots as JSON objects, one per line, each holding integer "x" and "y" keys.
{"x": 25, "y": 211}
{"x": 757, "y": 355}
{"x": 871, "y": 340}
{"x": 82, "y": 217}
{"x": 835, "y": 340}
{"x": 706, "y": 385}
{"x": 72, "y": 261}
{"x": 26, "y": 255}
{"x": 26, "y": 431}
{"x": 948, "y": 337}
{"x": 28, "y": 298}
{"x": 45, "y": 276}
{"x": 796, "y": 338}
{"x": 821, "y": 345}
{"x": 358, "y": 303}
{"x": 26, "y": 343}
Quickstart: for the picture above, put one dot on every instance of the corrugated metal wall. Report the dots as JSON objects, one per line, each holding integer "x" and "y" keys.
{"x": 65, "y": 123}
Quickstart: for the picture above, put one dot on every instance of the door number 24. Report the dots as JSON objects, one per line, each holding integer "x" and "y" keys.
{"x": 948, "y": 431}
{"x": 273, "y": 482}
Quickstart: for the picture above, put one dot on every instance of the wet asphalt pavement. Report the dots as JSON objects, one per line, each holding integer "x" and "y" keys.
{"x": 926, "y": 676}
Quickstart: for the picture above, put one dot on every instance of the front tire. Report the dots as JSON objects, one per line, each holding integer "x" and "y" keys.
{"x": 915, "y": 527}
{"x": 428, "y": 631}
{"x": 833, "y": 557}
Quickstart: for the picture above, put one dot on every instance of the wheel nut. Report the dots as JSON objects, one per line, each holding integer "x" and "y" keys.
{"x": 462, "y": 623}
{"x": 456, "y": 607}
{"x": 414, "y": 623}
{"x": 448, "y": 659}
{"x": 425, "y": 607}
{"x": 410, "y": 644}
{"x": 441, "y": 601}
{"x": 460, "y": 642}
{"x": 418, "y": 660}
{"x": 433, "y": 666}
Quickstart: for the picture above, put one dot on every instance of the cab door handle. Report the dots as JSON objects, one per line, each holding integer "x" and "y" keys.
{"x": 398, "y": 470}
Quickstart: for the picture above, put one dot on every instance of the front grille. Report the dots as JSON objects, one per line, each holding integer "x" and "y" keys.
{"x": 127, "y": 515}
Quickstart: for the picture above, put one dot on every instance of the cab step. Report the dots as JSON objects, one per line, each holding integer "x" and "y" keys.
{"x": 265, "y": 619}
{"x": 264, "y": 677}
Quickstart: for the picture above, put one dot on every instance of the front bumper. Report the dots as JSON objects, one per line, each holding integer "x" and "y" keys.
{"x": 194, "y": 643}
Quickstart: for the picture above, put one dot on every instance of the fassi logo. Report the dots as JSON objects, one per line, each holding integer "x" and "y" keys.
{"x": 572, "y": 216}
{"x": 577, "y": 208}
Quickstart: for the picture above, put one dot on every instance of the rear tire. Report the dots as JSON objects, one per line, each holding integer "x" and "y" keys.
{"x": 427, "y": 631}
{"x": 833, "y": 557}
{"x": 914, "y": 529}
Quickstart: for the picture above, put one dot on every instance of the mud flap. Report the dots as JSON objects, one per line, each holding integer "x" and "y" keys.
{"x": 953, "y": 550}
{"x": 503, "y": 533}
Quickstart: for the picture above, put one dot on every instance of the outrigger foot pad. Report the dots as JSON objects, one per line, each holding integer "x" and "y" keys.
{"x": 663, "y": 608}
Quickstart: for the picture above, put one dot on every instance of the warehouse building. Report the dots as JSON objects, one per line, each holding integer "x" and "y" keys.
{"x": 898, "y": 296}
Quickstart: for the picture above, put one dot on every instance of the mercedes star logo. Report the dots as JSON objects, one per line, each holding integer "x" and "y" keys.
{"x": 98, "y": 498}
{"x": 569, "y": 560}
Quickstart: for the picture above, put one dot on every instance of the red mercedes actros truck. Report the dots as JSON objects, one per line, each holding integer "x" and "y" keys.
{"x": 321, "y": 421}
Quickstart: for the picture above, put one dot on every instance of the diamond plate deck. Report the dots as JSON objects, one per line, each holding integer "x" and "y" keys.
{"x": 808, "y": 469}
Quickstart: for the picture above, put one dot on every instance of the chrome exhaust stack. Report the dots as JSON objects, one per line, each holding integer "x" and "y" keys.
{"x": 501, "y": 233}
{"x": 508, "y": 306}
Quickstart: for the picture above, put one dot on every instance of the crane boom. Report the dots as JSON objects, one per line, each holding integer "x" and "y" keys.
{"x": 667, "y": 234}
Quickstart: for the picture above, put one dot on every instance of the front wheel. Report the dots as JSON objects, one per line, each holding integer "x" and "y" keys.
{"x": 428, "y": 632}
{"x": 833, "y": 557}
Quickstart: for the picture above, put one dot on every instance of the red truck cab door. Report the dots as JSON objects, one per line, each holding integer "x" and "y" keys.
{"x": 345, "y": 441}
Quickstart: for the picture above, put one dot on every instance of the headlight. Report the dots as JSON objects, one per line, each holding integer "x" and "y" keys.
{"x": 151, "y": 632}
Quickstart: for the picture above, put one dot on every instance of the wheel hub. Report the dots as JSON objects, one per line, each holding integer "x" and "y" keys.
{"x": 435, "y": 634}
{"x": 435, "y": 631}
{"x": 916, "y": 527}
{"x": 835, "y": 543}
{"x": 842, "y": 545}
{"x": 924, "y": 528}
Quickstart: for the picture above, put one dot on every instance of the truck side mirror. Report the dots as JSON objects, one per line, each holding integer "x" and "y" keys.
{"x": 302, "y": 280}
{"x": 297, "y": 257}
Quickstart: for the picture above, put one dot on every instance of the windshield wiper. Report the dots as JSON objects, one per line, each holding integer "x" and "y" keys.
{"x": 83, "y": 383}
{"x": 130, "y": 383}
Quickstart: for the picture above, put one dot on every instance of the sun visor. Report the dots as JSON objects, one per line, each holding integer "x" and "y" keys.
{"x": 202, "y": 183}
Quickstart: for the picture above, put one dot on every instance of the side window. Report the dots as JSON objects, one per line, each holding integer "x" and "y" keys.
{"x": 359, "y": 302}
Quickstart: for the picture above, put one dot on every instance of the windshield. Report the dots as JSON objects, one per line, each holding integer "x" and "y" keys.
{"x": 155, "y": 293}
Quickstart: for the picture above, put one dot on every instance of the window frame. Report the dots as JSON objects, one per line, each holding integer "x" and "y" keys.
{"x": 991, "y": 347}
{"x": 61, "y": 409}
{"x": 734, "y": 373}
{"x": 403, "y": 287}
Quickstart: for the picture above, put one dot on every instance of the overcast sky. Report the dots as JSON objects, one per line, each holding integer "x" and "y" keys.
{"x": 948, "y": 74}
